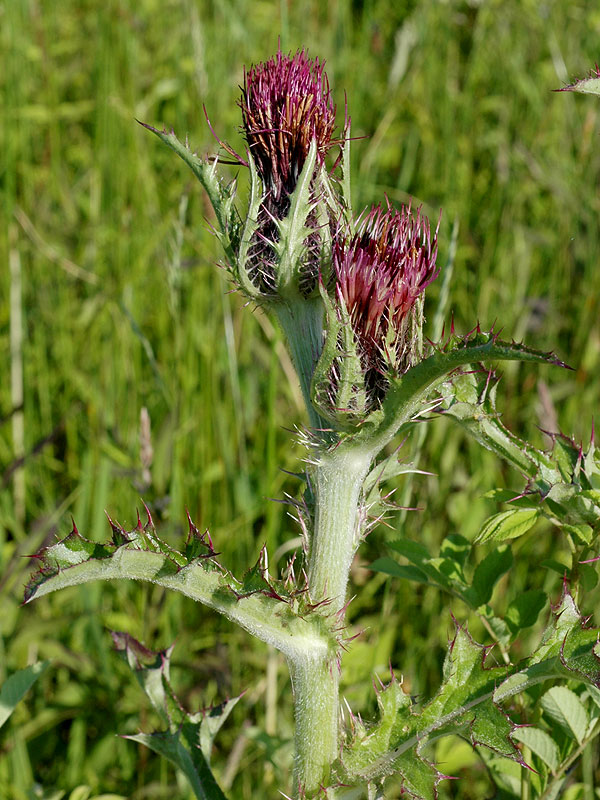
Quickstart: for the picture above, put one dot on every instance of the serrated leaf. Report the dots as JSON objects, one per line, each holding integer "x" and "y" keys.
{"x": 467, "y": 704}
{"x": 16, "y": 686}
{"x": 540, "y": 743}
{"x": 211, "y": 721}
{"x": 189, "y": 740}
{"x": 589, "y": 85}
{"x": 566, "y": 709}
{"x": 152, "y": 671}
{"x": 271, "y": 612}
{"x": 407, "y": 393}
{"x": 463, "y": 706}
{"x": 507, "y": 525}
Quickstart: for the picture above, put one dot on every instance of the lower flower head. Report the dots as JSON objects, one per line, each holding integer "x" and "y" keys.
{"x": 380, "y": 272}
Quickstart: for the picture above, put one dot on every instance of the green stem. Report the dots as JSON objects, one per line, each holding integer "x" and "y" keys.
{"x": 337, "y": 481}
{"x": 302, "y": 323}
{"x": 315, "y": 686}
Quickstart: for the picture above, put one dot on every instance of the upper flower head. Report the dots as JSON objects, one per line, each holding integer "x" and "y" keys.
{"x": 286, "y": 103}
{"x": 380, "y": 273}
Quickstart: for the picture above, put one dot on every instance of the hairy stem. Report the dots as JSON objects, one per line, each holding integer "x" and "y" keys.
{"x": 315, "y": 685}
{"x": 337, "y": 478}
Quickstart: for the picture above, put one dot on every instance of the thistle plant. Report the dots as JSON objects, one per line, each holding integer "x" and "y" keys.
{"x": 348, "y": 293}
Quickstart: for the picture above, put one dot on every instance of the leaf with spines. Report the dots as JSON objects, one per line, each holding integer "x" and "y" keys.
{"x": 189, "y": 739}
{"x": 274, "y": 612}
{"x": 563, "y": 482}
{"x": 468, "y": 703}
{"x": 588, "y": 85}
{"x": 406, "y": 396}
{"x": 221, "y": 195}
{"x": 294, "y": 230}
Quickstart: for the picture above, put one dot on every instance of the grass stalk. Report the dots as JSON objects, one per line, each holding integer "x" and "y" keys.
{"x": 16, "y": 375}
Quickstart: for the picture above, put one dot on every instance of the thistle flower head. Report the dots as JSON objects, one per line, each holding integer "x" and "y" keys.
{"x": 286, "y": 103}
{"x": 380, "y": 272}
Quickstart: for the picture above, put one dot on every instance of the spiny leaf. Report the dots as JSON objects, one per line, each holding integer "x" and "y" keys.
{"x": 221, "y": 196}
{"x": 563, "y": 479}
{"x": 463, "y": 705}
{"x": 190, "y": 762}
{"x": 278, "y": 614}
{"x": 408, "y": 392}
{"x": 152, "y": 671}
{"x": 467, "y": 704}
{"x": 589, "y": 85}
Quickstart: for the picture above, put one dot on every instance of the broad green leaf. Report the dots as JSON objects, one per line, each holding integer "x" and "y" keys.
{"x": 16, "y": 686}
{"x": 507, "y": 525}
{"x": 556, "y": 566}
{"x": 540, "y": 743}
{"x": 446, "y": 572}
{"x": 525, "y": 609}
{"x": 456, "y": 548}
{"x": 410, "y": 549}
{"x": 565, "y": 708}
{"x": 390, "y": 567}
{"x": 488, "y": 572}
{"x": 594, "y": 694}
{"x": 582, "y": 533}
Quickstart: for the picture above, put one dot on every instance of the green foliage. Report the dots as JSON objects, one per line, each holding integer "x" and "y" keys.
{"x": 16, "y": 687}
{"x": 122, "y": 312}
{"x": 467, "y": 704}
{"x": 189, "y": 739}
{"x": 277, "y": 613}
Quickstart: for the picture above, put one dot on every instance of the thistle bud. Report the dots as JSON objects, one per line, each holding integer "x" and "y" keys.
{"x": 381, "y": 272}
{"x": 286, "y": 104}
{"x": 288, "y": 119}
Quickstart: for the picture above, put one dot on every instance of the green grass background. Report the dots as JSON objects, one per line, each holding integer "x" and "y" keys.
{"x": 123, "y": 308}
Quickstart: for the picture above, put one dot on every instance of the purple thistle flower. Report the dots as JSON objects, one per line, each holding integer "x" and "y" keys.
{"x": 286, "y": 103}
{"x": 380, "y": 273}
